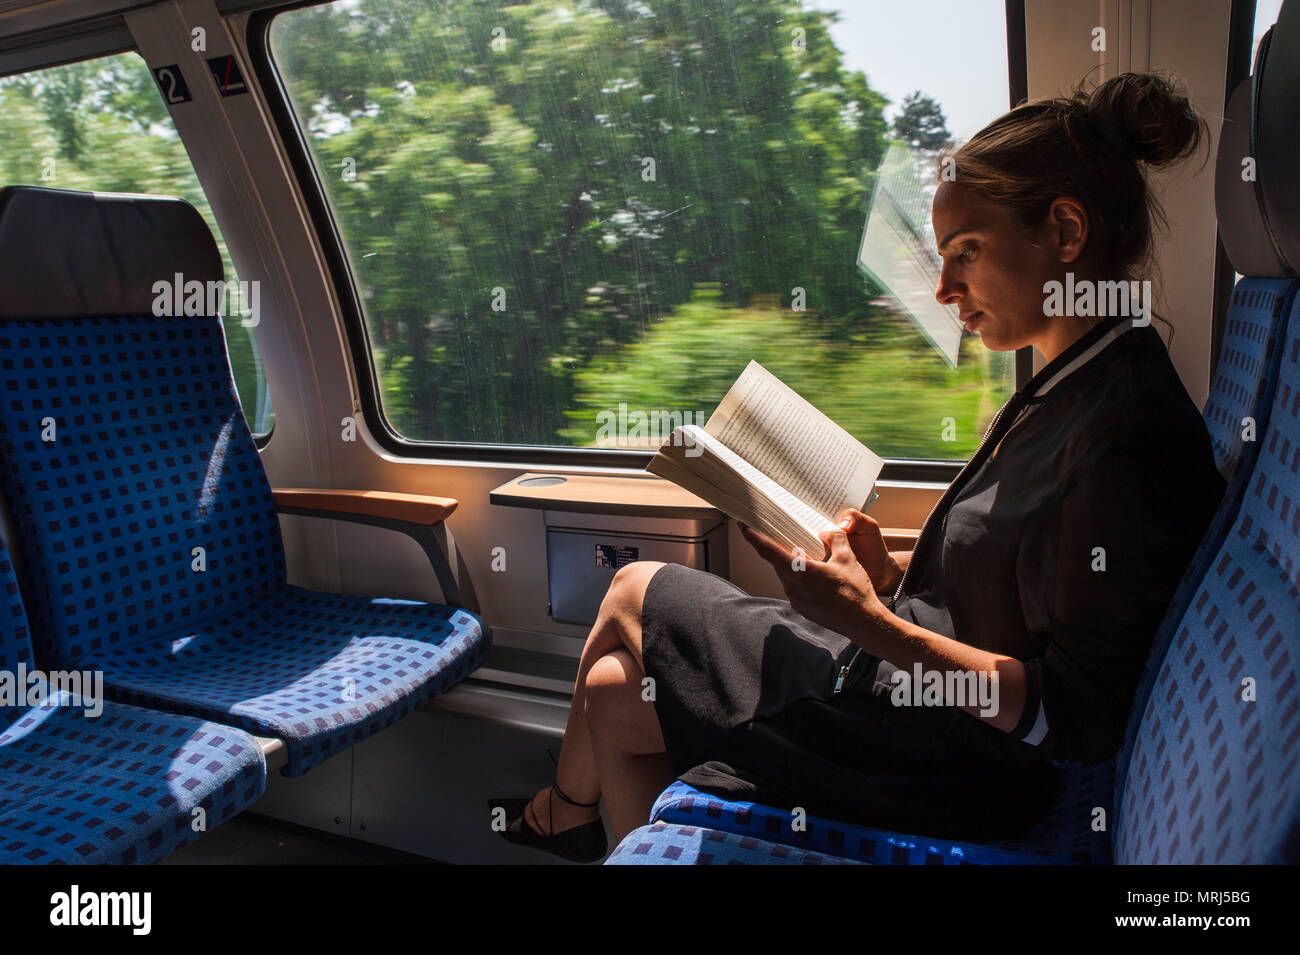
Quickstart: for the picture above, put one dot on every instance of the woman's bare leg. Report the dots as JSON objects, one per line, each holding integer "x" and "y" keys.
{"x": 626, "y": 741}
{"x": 617, "y": 628}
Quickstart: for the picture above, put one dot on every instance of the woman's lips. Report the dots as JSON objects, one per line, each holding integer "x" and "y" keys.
{"x": 970, "y": 320}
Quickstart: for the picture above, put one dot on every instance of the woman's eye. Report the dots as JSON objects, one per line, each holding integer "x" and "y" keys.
{"x": 967, "y": 255}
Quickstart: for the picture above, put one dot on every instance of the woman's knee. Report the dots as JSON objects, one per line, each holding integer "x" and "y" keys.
{"x": 613, "y": 682}
{"x": 627, "y": 590}
{"x": 610, "y": 674}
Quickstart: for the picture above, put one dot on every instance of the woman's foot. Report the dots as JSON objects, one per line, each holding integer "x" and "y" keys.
{"x": 554, "y": 823}
{"x": 549, "y": 816}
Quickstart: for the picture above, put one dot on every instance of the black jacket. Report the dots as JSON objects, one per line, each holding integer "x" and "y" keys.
{"x": 1062, "y": 541}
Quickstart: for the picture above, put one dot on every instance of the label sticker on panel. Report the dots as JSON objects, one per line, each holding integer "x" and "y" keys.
{"x": 611, "y": 555}
{"x": 230, "y": 82}
{"x": 172, "y": 84}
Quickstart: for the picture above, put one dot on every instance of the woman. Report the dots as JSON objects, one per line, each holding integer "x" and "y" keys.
{"x": 1040, "y": 578}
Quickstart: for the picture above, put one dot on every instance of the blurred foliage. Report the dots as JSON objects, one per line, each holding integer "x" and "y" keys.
{"x": 885, "y": 387}
{"x": 460, "y": 170}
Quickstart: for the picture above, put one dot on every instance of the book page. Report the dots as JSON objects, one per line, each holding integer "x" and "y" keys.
{"x": 804, "y": 515}
{"x": 728, "y": 482}
{"x": 767, "y": 423}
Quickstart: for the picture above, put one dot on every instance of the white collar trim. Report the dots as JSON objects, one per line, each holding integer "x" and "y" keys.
{"x": 1093, "y": 350}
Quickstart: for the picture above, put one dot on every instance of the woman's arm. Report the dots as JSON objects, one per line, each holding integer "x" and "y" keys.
{"x": 839, "y": 594}
{"x": 905, "y": 645}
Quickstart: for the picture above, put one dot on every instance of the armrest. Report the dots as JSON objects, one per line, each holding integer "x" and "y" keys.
{"x": 419, "y": 516}
{"x": 389, "y": 505}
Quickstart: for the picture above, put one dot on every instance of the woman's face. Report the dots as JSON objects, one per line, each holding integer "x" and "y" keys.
{"x": 994, "y": 270}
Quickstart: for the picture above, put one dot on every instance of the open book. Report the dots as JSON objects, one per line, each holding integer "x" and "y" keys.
{"x": 769, "y": 459}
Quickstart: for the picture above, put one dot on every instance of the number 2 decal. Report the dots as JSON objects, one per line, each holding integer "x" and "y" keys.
{"x": 172, "y": 84}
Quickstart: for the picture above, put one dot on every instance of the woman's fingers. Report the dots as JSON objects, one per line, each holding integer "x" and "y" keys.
{"x": 770, "y": 550}
{"x": 855, "y": 522}
{"x": 838, "y": 544}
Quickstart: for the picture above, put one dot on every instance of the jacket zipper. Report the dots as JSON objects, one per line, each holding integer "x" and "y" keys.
{"x": 952, "y": 489}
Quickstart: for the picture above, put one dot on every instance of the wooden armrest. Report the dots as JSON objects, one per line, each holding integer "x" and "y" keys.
{"x": 421, "y": 509}
{"x": 899, "y": 538}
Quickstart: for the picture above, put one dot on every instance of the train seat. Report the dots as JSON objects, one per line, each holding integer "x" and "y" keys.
{"x": 1210, "y": 768}
{"x": 83, "y": 780}
{"x": 144, "y": 518}
{"x": 661, "y": 843}
{"x": 1063, "y": 837}
{"x": 1210, "y": 772}
{"x": 1261, "y": 299}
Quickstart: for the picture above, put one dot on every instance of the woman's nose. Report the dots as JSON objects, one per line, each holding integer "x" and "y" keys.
{"x": 948, "y": 292}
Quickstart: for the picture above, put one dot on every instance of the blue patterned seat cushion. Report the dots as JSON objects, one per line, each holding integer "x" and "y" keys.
{"x": 99, "y": 782}
{"x": 1254, "y": 313}
{"x": 1214, "y": 775}
{"x": 148, "y": 458}
{"x": 665, "y": 844}
{"x": 120, "y": 787}
{"x": 1065, "y": 836}
{"x": 123, "y": 449}
{"x": 320, "y": 671}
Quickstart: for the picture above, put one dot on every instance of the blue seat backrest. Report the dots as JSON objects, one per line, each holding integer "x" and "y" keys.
{"x": 1214, "y": 773}
{"x": 137, "y": 494}
{"x": 1210, "y": 767}
{"x": 1254, "y": 317}
{"x": 150, "y": 459}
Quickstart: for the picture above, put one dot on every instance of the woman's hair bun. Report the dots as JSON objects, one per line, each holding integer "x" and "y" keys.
{"x": 1142, "y": 116}
{"x": 1094, "y": 145}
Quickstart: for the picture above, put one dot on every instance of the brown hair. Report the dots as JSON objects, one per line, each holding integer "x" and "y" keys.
{"x": 1087, "y": 145}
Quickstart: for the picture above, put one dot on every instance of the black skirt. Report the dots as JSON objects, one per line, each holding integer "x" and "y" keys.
{"x": 744, "y": 693}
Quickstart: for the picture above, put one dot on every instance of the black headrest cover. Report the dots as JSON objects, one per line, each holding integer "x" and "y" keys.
{"x": 67, "y": 254}
{"x": 1277, "y": 132}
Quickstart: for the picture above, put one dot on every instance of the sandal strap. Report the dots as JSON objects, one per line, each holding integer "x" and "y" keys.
{"x": 537, "y": 823}
{"x": 560, "y": 792}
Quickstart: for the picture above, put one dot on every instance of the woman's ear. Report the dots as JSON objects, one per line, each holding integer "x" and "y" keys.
{"x": 1068, "y": 221}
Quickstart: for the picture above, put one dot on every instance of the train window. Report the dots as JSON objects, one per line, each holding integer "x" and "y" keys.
{"x": 562, "y": 215}
{"x": 101, "y": 125}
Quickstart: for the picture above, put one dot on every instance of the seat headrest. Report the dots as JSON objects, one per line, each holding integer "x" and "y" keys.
{"x": 66, "y": 254}
{"x": 1277, "y": 130}
{"x": 1236, "y": 201}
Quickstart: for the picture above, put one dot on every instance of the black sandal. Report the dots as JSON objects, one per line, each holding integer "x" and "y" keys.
{"x": 585, "y": 843}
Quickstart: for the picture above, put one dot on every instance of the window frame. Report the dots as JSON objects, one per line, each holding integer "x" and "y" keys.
{"x": 356, "y": 334}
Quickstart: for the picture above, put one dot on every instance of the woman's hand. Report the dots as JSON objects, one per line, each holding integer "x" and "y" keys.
{"x": 868, "y": 546}
{"x": 836, "y": 593}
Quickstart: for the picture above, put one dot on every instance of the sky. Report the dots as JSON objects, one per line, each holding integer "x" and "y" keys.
{"x": 963, "y": 66}
{"x": 900, "y": 46}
